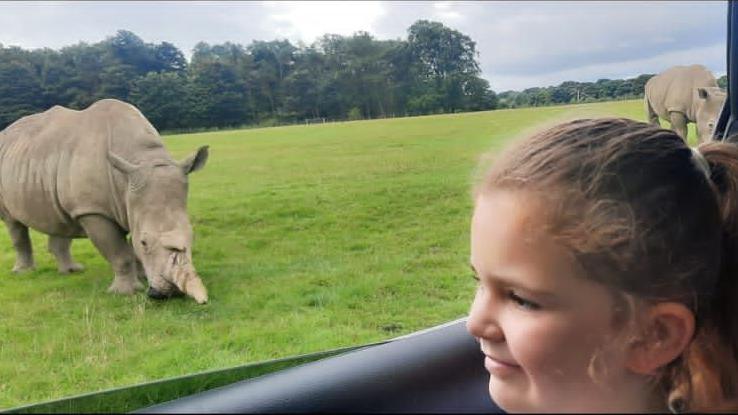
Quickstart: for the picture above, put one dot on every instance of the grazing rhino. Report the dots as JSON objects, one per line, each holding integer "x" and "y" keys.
{"x": 684, "y": 94}
{"x": 101, "y": 173}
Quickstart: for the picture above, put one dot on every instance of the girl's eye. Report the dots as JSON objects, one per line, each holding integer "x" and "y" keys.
{"x": 522, "y": 302}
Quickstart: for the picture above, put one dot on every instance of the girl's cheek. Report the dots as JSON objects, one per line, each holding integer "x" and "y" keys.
{"x": 553, "y": 347}
{"x": 525, "y": 342}
{"x": 539, "y": 341}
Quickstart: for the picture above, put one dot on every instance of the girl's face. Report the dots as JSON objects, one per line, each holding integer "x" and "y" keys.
{"x": 538, "y": 320}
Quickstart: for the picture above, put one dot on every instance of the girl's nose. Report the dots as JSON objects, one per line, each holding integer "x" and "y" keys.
{"x": 482, "y": 323}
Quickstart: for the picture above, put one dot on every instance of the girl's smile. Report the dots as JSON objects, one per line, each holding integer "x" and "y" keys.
{"x": 500, "y": 368}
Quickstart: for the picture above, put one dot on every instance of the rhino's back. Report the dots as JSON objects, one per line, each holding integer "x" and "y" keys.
{"x": 54, "y": 167}
{"x": 674, "y": 89}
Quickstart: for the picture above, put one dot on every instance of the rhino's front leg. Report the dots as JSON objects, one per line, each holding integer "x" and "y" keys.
{"x": 139, "y": 267}
{"x": 22, "y": 244}
{"x": 140, "y": 271}
{"x": 110, "y": 240}
{"x": 59, "y": 247}
{"x": 679, "y": 123}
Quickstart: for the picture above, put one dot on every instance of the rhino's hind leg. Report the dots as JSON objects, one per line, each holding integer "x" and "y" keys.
{"x": 110, "y": 240}
{"x": 59, "y": 247}
{"x": 653, "y": 118}
{"x": 22, "y": 244}
{"x": 679, "y": 123}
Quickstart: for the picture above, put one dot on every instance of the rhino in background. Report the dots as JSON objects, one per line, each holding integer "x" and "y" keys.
{"x": 101, "y": 173}
{"x": 684, "y": 94}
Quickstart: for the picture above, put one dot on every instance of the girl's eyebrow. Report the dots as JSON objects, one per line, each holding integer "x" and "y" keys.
{"x": 511, "y": 283}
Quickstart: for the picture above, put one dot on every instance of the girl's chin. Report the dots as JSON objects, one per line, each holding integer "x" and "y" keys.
{"x": 509, "y": 399}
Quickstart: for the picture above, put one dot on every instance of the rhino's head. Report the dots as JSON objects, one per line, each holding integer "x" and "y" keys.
{"x": 161, "y": 233}
{"x": 710, "y": 102}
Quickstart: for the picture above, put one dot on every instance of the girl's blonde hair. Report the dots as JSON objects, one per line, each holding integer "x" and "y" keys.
{"x": 640, "y": 214}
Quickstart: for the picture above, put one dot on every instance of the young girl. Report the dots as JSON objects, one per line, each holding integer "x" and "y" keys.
{"x": 607, "y": 258}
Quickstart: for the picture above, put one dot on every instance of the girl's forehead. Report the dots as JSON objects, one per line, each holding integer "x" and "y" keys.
{"x": 518, "y": 212}
{"x": 507, "y": 238}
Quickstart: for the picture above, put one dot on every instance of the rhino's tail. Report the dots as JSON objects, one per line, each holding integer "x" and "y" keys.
{"x": 653, "y": 118}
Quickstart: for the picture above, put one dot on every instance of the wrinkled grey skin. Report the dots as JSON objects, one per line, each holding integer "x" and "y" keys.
{"x": 101, "y": 173}
{"x": 684, "y": 94}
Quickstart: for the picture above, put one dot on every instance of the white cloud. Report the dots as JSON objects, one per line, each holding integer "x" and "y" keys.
{"x": 307, "y": 21}
{"x": 442, "y": 5}
{"x": 619, "y": 70}
{"x": 520, "y": 44}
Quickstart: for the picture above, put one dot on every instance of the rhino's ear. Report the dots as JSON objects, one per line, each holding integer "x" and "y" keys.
{"x": 121, "y": 164}
{"x": 196, "y": 161}
{"x": 703, "y": 93}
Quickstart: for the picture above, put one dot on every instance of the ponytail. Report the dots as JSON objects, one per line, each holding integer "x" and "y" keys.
{"x": 705, "y": 379}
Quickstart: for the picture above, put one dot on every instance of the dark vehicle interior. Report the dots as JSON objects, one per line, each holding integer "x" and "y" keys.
{"x": 436, "y": 370}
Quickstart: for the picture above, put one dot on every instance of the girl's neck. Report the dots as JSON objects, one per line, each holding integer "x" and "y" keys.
{"x": 639, "y": 395}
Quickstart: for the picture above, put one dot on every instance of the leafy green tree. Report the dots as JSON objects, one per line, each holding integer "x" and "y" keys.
{"x": 272, "y": 62}
{"x": 723, "y": 82}
{"x": 442, "y": 51}
{"x": 445, "y": 59}
{"x": 168, "y": 58}
{"x": 165, "y": 99}
{"x": 218, "y": 96}
{"x": 84, "y": 65}
{"x": 125, "y": 48}
{"x": 638, "y": 84}
{"x": 478, "y": 95}
{"x": 116, "y": 81}
{"x": 21, "y": 92}
{"x": 302, "y": 99}
{"x": 563, "y": 94}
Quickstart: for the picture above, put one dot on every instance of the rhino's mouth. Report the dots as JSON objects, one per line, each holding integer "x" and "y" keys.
{"x": 155, "y": 294}
{"x": 178, "y": 278}
{"x": 168, "y": 290}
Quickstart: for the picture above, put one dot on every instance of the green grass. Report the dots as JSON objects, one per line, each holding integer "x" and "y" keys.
{"x": 307, "y": 237}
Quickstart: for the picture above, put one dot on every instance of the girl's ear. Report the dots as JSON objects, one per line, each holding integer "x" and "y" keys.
{"x": 667, "y": 330}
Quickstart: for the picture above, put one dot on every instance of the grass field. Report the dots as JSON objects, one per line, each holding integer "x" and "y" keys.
{"x": 307, "y": 237}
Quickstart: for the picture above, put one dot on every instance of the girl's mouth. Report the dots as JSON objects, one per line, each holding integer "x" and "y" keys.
{"x": 500, "y": 368}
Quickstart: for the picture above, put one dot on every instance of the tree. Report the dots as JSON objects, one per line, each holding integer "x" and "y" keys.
{"x": 723, "y": 82}
{"x": 272, "y": 62}
{"x": 302, "y": 98}
{"x": 85, "y": 63}
{"x": 165, "y": 99}
{"x": 20, "y": 87}
{"x": 445, "y": 59}
{"x": 478, "y": 95}
{"x": 168, "y": 58}
{"x": 218, "y": 96}
{"x": 442, "y": 51}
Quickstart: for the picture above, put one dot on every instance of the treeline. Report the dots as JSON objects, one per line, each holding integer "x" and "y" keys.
{"x": 571, "y": 92}
{"x": 434, "y": 70}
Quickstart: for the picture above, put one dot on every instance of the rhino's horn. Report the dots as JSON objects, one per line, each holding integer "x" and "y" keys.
{"x": 195, "y": 289}
{"x": 186, "y": 279}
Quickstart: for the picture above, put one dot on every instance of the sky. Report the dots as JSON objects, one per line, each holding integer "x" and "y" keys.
{"x": 520, "y": 44}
